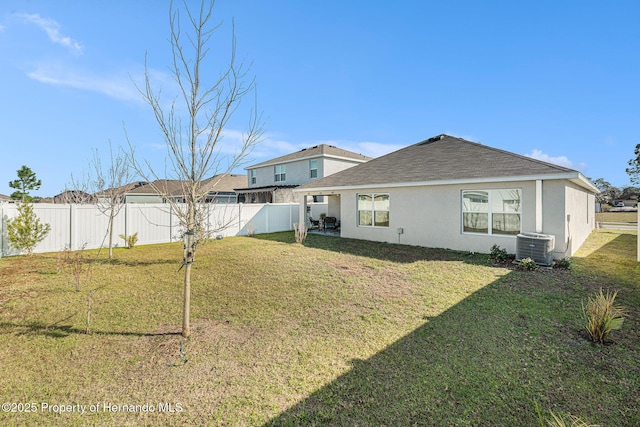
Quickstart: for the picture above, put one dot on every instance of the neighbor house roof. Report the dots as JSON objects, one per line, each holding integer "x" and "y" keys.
{"x": 322, "y": 150}
{"x": 166, "y": 186}
{"x": 74, "y": 196}
{"x": 4, "y": 198}
{"x": 173, "y": 187}
{"x": 125, "y": 189}
{"x": 225, "y": 183}
{"x": 444, "y": 159}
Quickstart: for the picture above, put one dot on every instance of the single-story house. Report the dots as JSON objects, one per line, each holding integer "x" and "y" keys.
{"x": 447, "y": 192}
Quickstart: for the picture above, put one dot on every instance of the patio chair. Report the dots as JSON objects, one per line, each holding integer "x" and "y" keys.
{"x": 315, "y": 223}
{"x": 331, "y": 222}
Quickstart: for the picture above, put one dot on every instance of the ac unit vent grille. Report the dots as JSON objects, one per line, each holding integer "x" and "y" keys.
{"x": 538, "y": 247}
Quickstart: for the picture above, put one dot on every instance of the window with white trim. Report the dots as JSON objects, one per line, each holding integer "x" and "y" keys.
{"x": 252, "y": 174}
{"x": 280, "y": 173}
{"x": 491, "y": 211}
{"x": 313, "y": 168}
{"x": 373, "y": 210}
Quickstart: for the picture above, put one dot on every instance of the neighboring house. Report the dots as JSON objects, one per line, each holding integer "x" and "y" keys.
{"x": 447, "y": 192}
{"x": 273, "y": 181}
{"x": 121, "y": 192}
{"x": 219, "y": 188}
{"x": 35, "y": 199}
{"x": 74, "y": 196}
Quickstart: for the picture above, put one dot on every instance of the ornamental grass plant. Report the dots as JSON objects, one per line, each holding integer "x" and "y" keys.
{"x": 602, "y": 315}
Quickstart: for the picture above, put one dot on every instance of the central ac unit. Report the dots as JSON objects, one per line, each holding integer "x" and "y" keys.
{"x": 538, "y": 247}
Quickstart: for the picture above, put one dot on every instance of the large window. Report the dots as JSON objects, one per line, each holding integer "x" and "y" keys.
{"x": 373, "y": 210}
{"x": 491, "y": 211}
{"x": 313, "y": 168}
{"x": 281, "y": 173}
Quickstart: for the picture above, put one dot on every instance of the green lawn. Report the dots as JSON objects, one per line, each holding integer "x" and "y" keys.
{"x": 332, "y": 332}
{"x": 620, "y": 217}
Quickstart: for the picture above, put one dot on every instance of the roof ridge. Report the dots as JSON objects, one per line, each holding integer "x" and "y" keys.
{"x": 521, "y": 156}
{"x": 317, "y": 150}
{"x": 444, "y": 158}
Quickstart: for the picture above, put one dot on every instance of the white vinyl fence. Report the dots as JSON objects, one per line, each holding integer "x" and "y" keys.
{"x": 85, "y": 226}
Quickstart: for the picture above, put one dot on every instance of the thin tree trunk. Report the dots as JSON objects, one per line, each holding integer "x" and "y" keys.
{"x": 111, "y": 235}
{"x": 191, "y": 226}
{"x": 186, "y": 326}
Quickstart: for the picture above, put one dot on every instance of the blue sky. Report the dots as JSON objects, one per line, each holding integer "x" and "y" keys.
{"x": 554, "y": 80}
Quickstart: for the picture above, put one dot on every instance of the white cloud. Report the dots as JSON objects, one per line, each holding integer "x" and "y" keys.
{"x": 114, "y": 86}
{"x": 52, "y": 28}
{"x": 558, "y": 160}
{"x": 118, "y": 85}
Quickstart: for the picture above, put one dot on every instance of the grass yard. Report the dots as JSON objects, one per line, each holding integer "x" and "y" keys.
{"x": 619, "y": 217}
{"x": 332, "y": 332}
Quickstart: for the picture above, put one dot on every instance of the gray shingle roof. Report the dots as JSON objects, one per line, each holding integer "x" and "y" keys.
{"x": 441, "y": 158}
{"x": 225, "y": 183}
{"x": 316, "y": 151}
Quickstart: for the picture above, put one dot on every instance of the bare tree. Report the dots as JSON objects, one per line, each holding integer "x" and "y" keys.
{"x": 110, "y": 186}
{"x": 193, "y": 127}
{"x": 107, "y": 185}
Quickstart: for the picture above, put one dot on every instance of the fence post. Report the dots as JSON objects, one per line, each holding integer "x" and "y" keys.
{"x": 126, "y": 220}
{"x": 1, "y": 230}
{"x": 72, "y": 231}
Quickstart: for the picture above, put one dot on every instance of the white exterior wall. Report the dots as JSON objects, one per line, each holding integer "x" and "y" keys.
{"x": 331, "y": 166}
{"x": 554, "y": 214}
{"x": 333, "y": 206}
{"x": 569, "y": 214}
{"x": 580, "y": 208}
{"x": 431, "y": 216}
{"x": 296, "y": 173}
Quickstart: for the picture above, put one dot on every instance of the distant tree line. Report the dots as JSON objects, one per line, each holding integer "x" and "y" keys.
{"x": 609, "y": 193}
